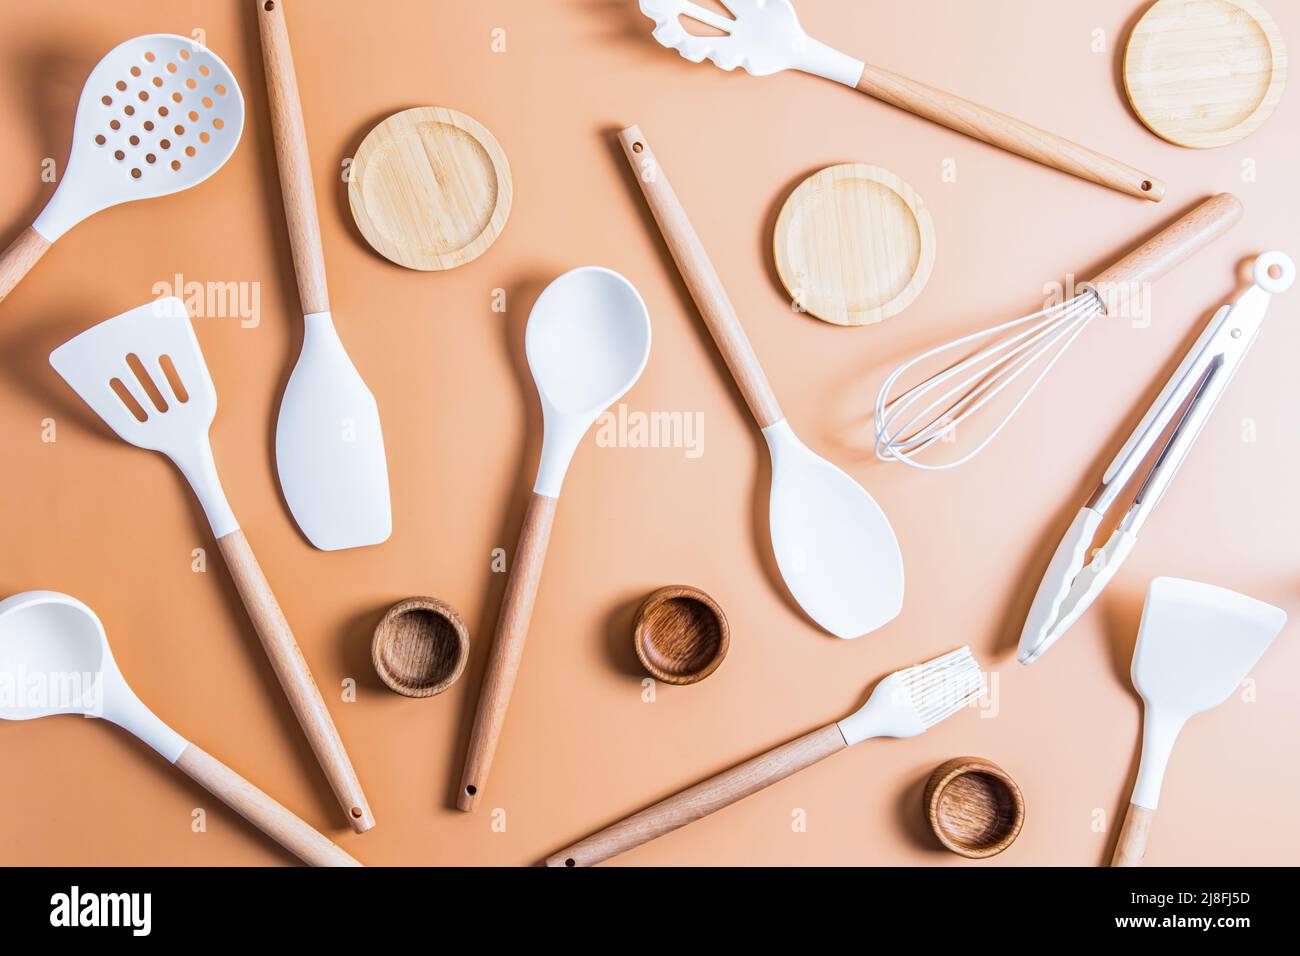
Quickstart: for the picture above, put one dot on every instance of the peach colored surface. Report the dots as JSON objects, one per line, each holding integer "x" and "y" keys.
{"x": 116, "y": 526}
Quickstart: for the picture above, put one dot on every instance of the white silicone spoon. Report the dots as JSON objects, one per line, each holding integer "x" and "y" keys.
{"x": 55, "y": 659}
{"x": 587, "y": 341}
{"x": 158, "y": 114}
{"x": 834, "y": 546}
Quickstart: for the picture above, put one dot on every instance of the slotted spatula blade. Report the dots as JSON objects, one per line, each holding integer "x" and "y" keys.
{"x": 103, "y": 365}
{"x": 143, "y": 373}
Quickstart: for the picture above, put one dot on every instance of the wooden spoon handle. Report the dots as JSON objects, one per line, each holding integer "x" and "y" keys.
{"x": 701, "y": 278}
{"x": 1132, "y": 844}
{"x": 292, "y": 158}
{"x": 704, "y": 798}
{"x": 272, "y": 818}
{"x": 16, "y": 261}
{"x": 295, "y": 677}
{"x": 1009, "y": 133}
{"x": 507, "y": 647}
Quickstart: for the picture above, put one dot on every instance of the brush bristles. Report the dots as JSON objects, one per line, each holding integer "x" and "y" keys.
{"x": 941, "y": 687}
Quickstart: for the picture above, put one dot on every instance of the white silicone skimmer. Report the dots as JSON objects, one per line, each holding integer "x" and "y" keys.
{"x": 144, "y": 375}
{"x": 157, "y": 115}
{"x": 588, "y": 340}
{"x": 55, "y": 659}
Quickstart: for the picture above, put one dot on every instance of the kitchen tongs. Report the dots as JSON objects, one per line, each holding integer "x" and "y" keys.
{"x": 1179, "y": 412}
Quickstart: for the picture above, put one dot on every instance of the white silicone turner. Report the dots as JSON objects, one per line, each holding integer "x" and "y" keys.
{"x": 144, "y": 375}
{"x": 1195, "y": 646}
{"x": 158, "y": 114}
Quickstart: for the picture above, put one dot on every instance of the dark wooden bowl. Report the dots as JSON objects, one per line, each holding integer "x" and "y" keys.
{"x": 974, "y": 808}
{"x": 681, "y": 634}
{"x": 420, "y": 647}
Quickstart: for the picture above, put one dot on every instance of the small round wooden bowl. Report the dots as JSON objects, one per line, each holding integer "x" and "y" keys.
{"x": 681, "y": 634}
{"x": 974, "y": 808}
{"x": 420, "y": 647}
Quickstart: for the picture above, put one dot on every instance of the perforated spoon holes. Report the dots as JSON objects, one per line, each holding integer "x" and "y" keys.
{"x": 169, "y": 77}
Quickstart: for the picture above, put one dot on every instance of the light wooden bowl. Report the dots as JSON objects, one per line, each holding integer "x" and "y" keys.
{"x": 681, "y": 634}
{"x": 420, "y": 647}
{"x": 974, "y": 808}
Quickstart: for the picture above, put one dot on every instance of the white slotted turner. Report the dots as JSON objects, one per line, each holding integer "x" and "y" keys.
{"x": 144, "y": 375}
{"x": 157, "y": 115}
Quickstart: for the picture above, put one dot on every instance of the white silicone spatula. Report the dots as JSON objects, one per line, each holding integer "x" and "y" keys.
{"x": 588, "y": 340}
{"x": 143, "y": 373}
{"x": 836, "y": 550}
{"x": 329, "y": 446}
{"x": 157, "y": 115}
{"x": 1195, "y": 646}
{"x": 55, "y": 648}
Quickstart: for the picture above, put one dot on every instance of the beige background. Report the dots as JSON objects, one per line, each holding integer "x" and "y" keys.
{"x": 115, "y": 526}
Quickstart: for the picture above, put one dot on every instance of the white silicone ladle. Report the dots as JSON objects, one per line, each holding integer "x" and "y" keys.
{"x": 158, "y": 114}
{"x": 587, "y": 341}
{"x": 55, "y": 659}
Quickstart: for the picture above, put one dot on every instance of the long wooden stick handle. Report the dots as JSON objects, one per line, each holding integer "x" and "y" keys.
{"x": 272, "y": 818}
{"x": 701, "y": 278}
{"x": 16, "y": 261}
{"x": 295, "y": 677}
{"x": 1007, "y": 132}
{"x": 1172, "y": 246}
{"x": 703, "y": 798}
{"x": 507, "y": 647}
{"x": 1132, "y": 844}
{"x": 292, "y": 158}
